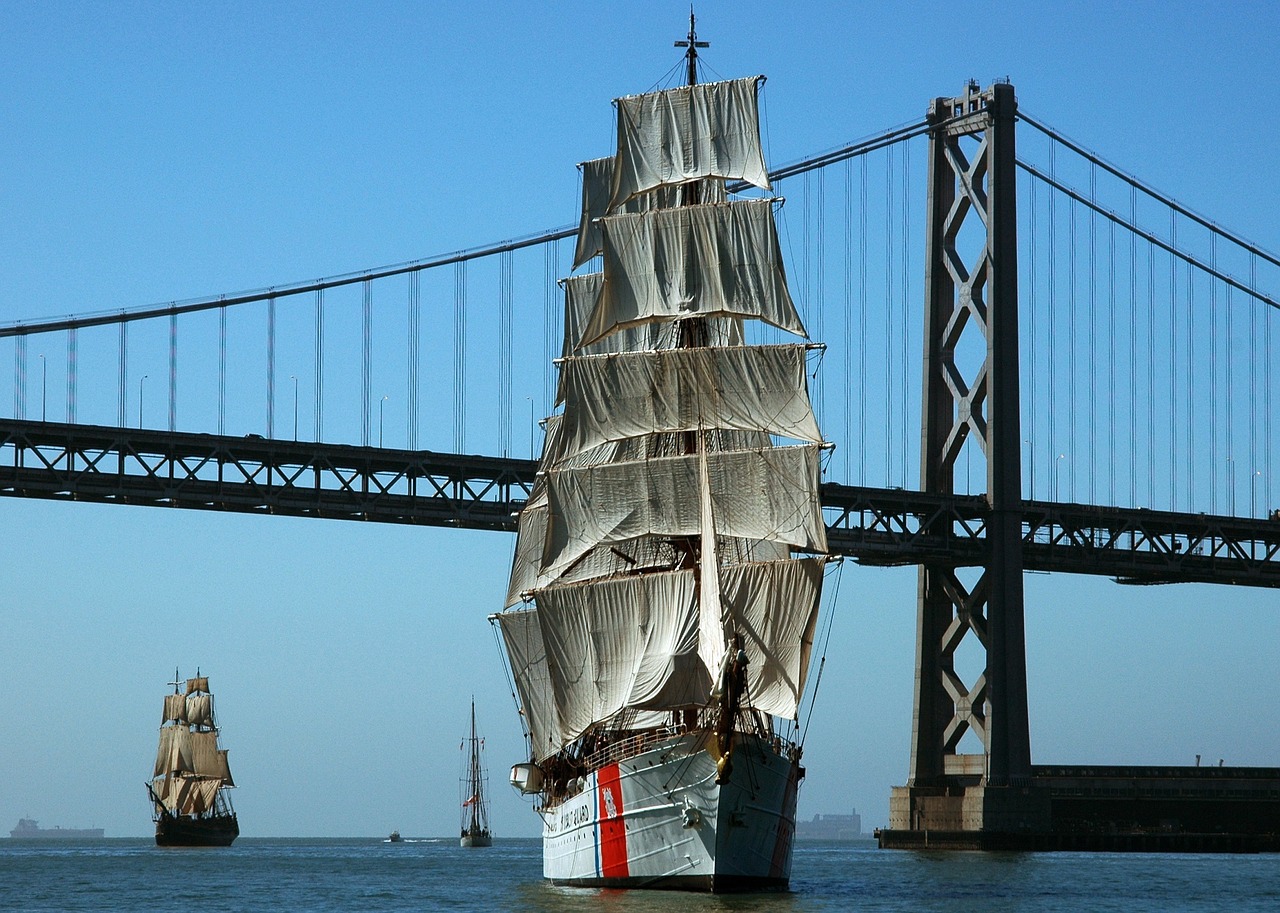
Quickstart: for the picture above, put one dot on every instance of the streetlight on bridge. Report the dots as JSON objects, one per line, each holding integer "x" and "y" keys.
{"x": 140, "y": 382}
{"x": 1056, "y": 465}
{"x": 295, "y": 405}
{"x": 44, "y": 388}
{"x": 1253, "y": 493}
{"x": 381, "y": 410}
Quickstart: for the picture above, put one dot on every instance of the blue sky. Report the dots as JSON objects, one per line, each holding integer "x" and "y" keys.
{"x": 159, "y": 151}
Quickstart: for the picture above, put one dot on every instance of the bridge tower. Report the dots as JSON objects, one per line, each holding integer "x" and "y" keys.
{"x": 971, "y": 388}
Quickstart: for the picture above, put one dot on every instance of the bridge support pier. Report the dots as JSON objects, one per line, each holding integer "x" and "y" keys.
{"x": 971, "y": 389}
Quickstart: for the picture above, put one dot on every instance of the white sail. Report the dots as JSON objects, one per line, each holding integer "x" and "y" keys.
{"x": 717, "y": 260}
{"x": 522, "y": 637}
{"x": 581, "y": 294}
{"x": 772, "y": 608}
{"x": 597, "y": 186}
{"x": 758, "y": 494}
{"x": 745, "y": 388}
{"x": 688, "y": 133}
{"x": 627, "y": 642}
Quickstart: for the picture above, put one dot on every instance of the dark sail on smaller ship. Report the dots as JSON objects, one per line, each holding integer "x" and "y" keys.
{"x": 190, "y": 783}
{"x": 475, "y": 808}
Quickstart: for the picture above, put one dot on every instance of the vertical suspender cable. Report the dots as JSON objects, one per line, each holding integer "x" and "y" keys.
{"x": 124, "y": 359}
{"x": 1190, "y": 416}
{"x": 1268, "y": 379}
{"x": 366, "y": 359}
{"x": 1230, "y": 398}
{"x": 1214, "y": 445}
{"x": 848, "y": 317}
{"x": 863, "y": 243}
{"x": 904, "y": 294}
{"x": 1253, "y": 376}
{"x": 1133, "y": 350}
{"x": 415, "y": 332}
{"x": 319, "y": 366}
{"x": 459, "y": 354}
{"x": 222, "y": 370}
{"x": 548, "y": 323}
{"x": 1151, "y": 375}
{"x": 1111, "y": 360}
{"x": 1093, "y": 335}
{"x": 1072, "y": 404}
{"x": 504, "y": 352}
{"x": 1051, "y": 439}
{"x": 1032, "y": 376}
{"x": 73, "y": 365}
{"x": 20, "y": 378}
{"x": 820, "y": 294}
{"x": 1173, "y": 362}
{"x": 889, "y": 311}
{"x": 173, "y": 371}
{"x": 271, "y": 367}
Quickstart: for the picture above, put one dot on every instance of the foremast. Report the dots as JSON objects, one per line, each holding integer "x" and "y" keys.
{"x": 660, "y": 558}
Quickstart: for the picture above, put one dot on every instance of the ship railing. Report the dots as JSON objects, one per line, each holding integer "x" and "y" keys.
{"x": 621, "y": 749}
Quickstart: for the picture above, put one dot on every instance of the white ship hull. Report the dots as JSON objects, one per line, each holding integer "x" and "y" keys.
{"x": 658, "y": 819}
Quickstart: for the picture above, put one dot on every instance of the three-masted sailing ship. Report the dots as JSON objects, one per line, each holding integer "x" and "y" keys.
{"x": 475, "y": 806}
{"x": 669, "y": 562}
{"x": 190, "y": 783}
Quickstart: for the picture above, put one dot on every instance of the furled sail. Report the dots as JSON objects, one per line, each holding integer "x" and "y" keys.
{"x": 758, "y": 494}
{"x": 711, "y": 130}
{"x": 522, "y": 637}
{"x": 626, "y": 642}
{"x": 712, "y": 260}
{"x": 746, "y": 388}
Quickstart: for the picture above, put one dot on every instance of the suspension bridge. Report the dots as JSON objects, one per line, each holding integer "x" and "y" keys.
{"x": 1034, "y": 361}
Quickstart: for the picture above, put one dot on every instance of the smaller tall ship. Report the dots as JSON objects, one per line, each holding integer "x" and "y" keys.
{"x": 190, "y": 783}
{"x": 30, "y": 829}
{"x": 475, "y": 808}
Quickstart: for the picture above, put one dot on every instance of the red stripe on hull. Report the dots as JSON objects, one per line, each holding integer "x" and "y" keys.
{"x": 613, "y": 829}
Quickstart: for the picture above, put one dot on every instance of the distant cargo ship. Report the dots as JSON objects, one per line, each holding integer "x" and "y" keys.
{"x": 30, "y": 829}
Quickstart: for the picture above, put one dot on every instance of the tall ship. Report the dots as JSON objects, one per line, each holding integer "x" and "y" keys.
{"x": 190, "y": 785}
{"x": 669, "y": 562}
{"x": 475, "y": 782}
{"x": 30, "y": 829}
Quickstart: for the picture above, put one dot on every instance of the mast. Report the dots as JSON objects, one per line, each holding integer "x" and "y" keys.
{"x": 691, "y": 55}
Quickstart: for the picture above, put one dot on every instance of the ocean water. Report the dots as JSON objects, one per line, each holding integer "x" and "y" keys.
{"x": 284, "y": 876}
